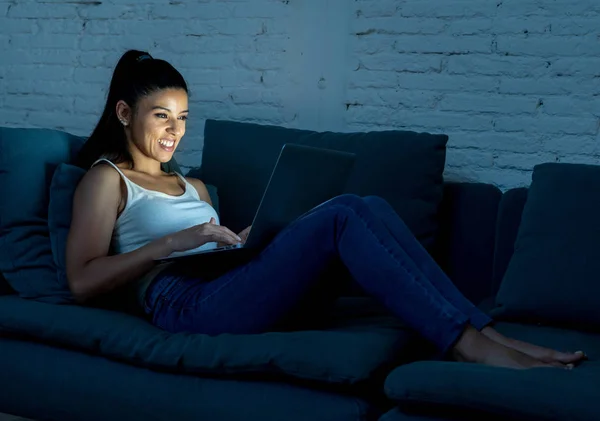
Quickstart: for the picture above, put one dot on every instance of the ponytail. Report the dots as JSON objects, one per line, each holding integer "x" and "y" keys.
{"x": 136, "y": 75}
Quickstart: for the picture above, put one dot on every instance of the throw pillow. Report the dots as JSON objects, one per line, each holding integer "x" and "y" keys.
{"x": 553, "y": 275}
{"x": 60, "y": 211}
{"x": 28, "y": 158}
{"x": 403, "y": 167}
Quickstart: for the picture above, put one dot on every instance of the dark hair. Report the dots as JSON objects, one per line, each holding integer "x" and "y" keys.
{"x": 136, "y": 75}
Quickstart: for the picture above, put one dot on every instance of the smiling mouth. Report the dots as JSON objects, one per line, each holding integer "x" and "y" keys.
{"x": 167, "y": 143}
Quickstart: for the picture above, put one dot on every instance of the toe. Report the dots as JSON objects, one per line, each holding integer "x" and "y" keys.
{"x": 568, "y": 357}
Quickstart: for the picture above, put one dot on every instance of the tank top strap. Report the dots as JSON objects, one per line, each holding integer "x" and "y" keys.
{"x": 189, "y": 188}
{"x": 130, "y": 187}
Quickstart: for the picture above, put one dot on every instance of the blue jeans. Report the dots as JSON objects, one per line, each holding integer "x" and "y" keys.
{"x": 364, "y": 234}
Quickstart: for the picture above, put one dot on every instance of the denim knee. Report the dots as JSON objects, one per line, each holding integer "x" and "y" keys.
{"x": 376, "y": 201}
{"x": 348, "y": 200}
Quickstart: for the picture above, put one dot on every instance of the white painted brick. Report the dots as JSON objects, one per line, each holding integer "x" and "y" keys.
{"x": 217, "y": 61}
{"x": 586, "y": 106}
{"x": 119, "y": 43}
{"x": 521, "y": 26}
{"x": 60, "y": 26}
{"x": 371, "y": 9}
{"x": 38, "y": 72}
{"x": 94, "y": 59}
{"x": 42, "y": 10}
{"x": 92, "y": 74}
{"x": 105, "y": 11}
{"x": 455, "y": 8}
{"x": 393, "y": 98}
{"x": 56, "y": 41}
{"x": 374, "y": 44}
{"x": 575, "y": 26}
{"x": 493, "y": 141}
{"x": 565, "y": 144}
{"x": 237, "y": 77}
{"x": 512, "y": 82}
{"x": 469, "y": 158}
{"x": 201, "y": 76}
{"x": 246, "y": 27}
{"x": 495, "y": 65}
{"x": 579, "y": 159}
{"x": 473, "y": 26}
{"x": 40, "y": 102}
{"x": 548, "y": 46}
{"x": 503, "y": 178}
{"x": 15, "y": 56}
{"x": 521, "y": 161}
{"x": 257, "y": 61}
{"x": 443, "y": 82}
{"x": 549, "y": 85}
{"x": 588, "y": 67}
{"x": 85, "y": 105}
{"x": 486, "y": 103}
{"x": 10, "y": 26}
{"x": 400, "y": 62}
{"x": 443, "y": 44}
{"x": 395, "y": 26}
{"x": 548, "y": 124}
{"x": 547, "y": 8}
{"x": 373, "y": 79}
{"x": 274, "y": 9}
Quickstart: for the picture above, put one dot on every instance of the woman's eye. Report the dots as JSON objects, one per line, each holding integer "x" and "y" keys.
{"x": 184, "y": 117}
{"x": 161, "y": 115}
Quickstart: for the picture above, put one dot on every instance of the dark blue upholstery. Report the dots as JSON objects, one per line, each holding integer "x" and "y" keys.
{"x": 43, "y": 382}
{"x": 465, "y": 243}
{"x": 509, "y": 218}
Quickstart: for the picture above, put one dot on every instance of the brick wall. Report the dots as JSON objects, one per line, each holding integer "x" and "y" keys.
{"x": 513, "y": 82}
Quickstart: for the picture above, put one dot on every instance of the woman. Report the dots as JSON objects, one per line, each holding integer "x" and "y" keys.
{"x": 127, "y": 213}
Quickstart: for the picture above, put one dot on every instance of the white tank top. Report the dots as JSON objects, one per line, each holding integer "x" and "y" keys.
{"x": 149, "y": 215}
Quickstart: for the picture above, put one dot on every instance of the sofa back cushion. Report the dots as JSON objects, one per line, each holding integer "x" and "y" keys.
{"x": 403, "y": 167}
{"x": 28, "y": 158}
{"x": 552, "y": 276}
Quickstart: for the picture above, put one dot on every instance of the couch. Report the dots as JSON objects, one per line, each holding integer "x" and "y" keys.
{"x": 61, "y": 361}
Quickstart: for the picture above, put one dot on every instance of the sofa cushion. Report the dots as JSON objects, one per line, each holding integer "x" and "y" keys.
{"x": 28, "y": 158}
{"x": 403, "y": 167}
{"x": 342, "y": 353}
{"x": 540, "y": 393}
{"x": 553, "y": 274}
{"x": 510, "y": 212}
{"x": 43, "y": 382}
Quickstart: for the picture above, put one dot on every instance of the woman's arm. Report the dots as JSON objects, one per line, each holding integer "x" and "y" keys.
{"x": 90, "y": 270}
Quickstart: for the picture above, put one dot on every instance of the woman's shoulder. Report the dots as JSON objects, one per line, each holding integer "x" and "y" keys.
{"x": 100, "y": 177}
{"x": 200, "y": 188}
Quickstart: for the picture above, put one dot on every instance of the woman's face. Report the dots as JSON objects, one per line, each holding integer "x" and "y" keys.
{"x": 158, "y": 123}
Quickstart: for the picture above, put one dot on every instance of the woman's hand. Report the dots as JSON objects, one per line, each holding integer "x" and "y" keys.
{"x": 244, "y": 234}
{"x": 199, "y": 235}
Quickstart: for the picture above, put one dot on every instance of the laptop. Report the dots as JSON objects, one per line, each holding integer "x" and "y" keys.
{"x": 303, "y": 178}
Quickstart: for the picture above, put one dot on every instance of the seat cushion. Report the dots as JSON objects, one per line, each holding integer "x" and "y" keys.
{"x": 342, "y": 353}
{"x": 540, "y": 393}
{"x": 403, "y": 167}
{"x": 43, "y": 382}
{"x": 28, "y": 158}
{"x": 553, "y": 274}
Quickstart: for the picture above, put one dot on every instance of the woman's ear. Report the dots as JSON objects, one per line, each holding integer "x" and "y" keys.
{"x": 123, "y": 113}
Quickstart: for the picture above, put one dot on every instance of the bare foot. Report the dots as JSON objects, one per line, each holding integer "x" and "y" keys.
{"x": 543, "y": 354}
{"x": 475, "y": 347}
